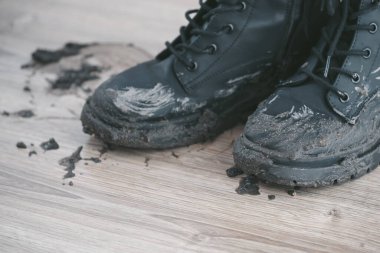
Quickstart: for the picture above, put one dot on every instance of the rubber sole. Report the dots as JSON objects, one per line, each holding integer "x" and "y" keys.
{"x": 255, "y": 160}
{"x": 154, "y": 135}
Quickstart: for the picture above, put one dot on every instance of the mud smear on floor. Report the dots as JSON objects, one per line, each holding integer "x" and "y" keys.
{"x": 70, "y": 163}
{"x": 49, "y": 145}
{"x": 77, "y": 64}
{"x": 75, "y": 77}
{"x": 271, "y": 197}
{"x": 44, "y": 56}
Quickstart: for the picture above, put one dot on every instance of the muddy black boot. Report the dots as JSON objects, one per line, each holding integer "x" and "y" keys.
{"x": 322, "y": 126}
{"x": 213, "y": 75}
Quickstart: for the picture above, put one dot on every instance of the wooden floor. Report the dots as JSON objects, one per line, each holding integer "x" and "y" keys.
{"x": 135, "y": 201}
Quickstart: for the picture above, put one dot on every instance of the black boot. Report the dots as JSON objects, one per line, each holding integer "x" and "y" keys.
{"x": 322, "y": 126}
{"x": 214, "y": 74}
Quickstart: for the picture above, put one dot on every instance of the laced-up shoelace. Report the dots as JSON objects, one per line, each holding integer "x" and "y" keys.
{"x": 196, "y": 29}
{"x": 321, "y": 75}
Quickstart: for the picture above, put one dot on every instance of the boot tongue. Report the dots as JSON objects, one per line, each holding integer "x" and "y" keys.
{"x": 313, "y": 62}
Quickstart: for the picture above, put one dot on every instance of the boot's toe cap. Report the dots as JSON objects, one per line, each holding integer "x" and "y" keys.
{"x": 295, "y": 135}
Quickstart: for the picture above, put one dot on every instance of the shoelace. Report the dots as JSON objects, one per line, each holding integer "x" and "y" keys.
{"x": 321, "y": 75}
{"x": 196, "y": 29}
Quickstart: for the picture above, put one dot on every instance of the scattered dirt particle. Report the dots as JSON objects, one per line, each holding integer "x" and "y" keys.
{"x": 25, "y": 114}
{"x": 27, "y": 89}
{"x": 271, "y": 197}
{"x": 175, "y": 155}
{"x": 72, "y": 77}
{"x": 31, "y": 153}
{"x": 335, "y": 213}
{"x": 21, "y": 145}
{"x": 292, "y": 193}
{"x": 71, "y": 183}
{"x": 70, "y": 161}
{"x": 249, "y": 185}
{"x": 234, "y": 172}
{"x": 49, "y": 145}
{"x": 5, "y": 113}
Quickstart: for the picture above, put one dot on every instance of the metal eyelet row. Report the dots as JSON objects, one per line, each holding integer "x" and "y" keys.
{"x": 213, "y": 48}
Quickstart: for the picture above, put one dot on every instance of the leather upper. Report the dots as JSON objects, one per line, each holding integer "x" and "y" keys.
{"x": 259, "y": 38}
{"x": 366, "y": 67}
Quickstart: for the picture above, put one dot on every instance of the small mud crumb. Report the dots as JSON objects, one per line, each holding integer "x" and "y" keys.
{"x": 234, "y": 172}
{"x": 292, "y": 193}
{"x": 63, "y": 184}
{"x": 175, "y": 155}
{"x": 21, "y": 145}
{"x": 31, "y": 153}
{"x": 86, "y": 164}
{"x": 70, "y": 161}
{"x": 49, "y": 145}
{"x": 71, "y": 77}
{"x": 5, "y": 113}
{"x": 42, "y": 56}
{"x": 27, "y": 89}
{"x": 93, "y": 159}
{"x": 249, "y": 185}
{"x": 25, "y": 114}
{"x": 71, "y": 183}
{"x": 335, "y": 213}
{"x": 271, "y": 197}
{"x": 147, "y": 159}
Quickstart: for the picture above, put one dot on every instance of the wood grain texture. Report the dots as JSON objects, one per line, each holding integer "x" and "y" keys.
{"x": 138, "y": 201}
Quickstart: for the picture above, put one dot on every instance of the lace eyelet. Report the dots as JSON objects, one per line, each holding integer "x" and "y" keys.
{"x": 243, "y": 6}
{"x": 229, "y": 28}
{"x": 368, "y": 52}
{"x": 356, "y": 78}
{"x": 193, "y": 67}
{"x": 212, "y": 49}
{"x": 343, "y": 97}
{"x": 374, "y": 28}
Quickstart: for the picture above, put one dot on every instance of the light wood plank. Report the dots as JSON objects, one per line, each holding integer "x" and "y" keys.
{"x": 184, "y": 204}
